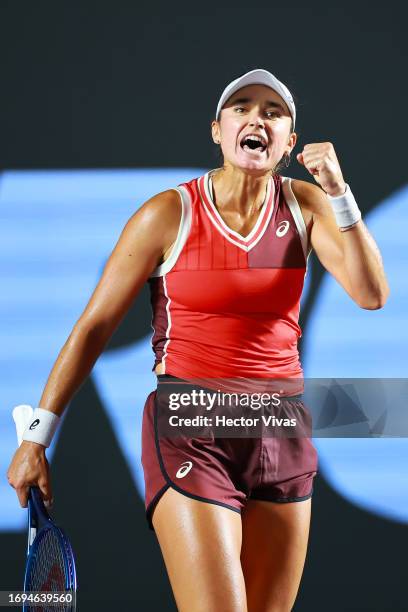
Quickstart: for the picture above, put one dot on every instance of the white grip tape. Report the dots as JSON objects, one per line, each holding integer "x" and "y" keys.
{"x": 345, "y": 208}
{"x": 41, "y": 427}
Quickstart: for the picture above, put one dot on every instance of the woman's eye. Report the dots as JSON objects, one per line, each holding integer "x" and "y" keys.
{"x": 272, "y": 114}
{"x": 239, "y": 108}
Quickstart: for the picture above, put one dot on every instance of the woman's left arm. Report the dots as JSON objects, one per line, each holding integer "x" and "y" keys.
{"x": 351, "y": 256}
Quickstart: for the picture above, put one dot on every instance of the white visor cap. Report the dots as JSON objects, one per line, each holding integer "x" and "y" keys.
{"x": 258, "y": 77}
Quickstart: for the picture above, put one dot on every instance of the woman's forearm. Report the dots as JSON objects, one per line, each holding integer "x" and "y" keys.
{"x": 364, "y": 266}
{"x": 73, "y": 364}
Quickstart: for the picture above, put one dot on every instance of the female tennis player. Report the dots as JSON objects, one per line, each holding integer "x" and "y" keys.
{"x": 226, "y": 256}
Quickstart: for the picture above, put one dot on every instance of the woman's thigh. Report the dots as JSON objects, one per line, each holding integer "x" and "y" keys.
{"x": 274, "y": 545}
{"x": 201, "y": 546}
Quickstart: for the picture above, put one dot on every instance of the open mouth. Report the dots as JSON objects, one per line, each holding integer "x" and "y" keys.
{"x": 253, "y": 142}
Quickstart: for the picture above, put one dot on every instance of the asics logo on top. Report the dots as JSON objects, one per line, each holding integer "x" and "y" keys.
{"x": 282, "y": 228}
{"x": 184, "y": 470}
{"x": 34, "y": 424}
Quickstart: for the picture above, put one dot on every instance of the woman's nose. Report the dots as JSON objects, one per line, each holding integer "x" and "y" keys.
{"x": 256, "y": 119}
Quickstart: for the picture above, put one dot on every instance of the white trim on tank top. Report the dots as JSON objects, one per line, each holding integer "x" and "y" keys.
{"x": 209, "y": 190}
{"x": 164, "y": 357}
{"x": 296, "y": 214}
{"x": 182, "y": 234}
{"x": 226, "y": 233}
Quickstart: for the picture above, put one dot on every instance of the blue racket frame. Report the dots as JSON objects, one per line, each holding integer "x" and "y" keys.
{"x": 37, "y": 514}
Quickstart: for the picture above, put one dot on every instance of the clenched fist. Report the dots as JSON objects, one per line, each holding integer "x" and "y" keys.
{"x": 321, "y": 161}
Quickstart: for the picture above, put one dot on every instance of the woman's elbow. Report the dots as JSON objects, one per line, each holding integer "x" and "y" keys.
{"x": 376, "y": 301}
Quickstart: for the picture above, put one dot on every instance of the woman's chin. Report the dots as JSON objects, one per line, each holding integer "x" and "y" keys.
{"x": 253, "y": 163}
{"x": 253, "y": 166}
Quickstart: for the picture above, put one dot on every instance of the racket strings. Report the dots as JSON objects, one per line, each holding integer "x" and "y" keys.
{"x": 47, "y": 571}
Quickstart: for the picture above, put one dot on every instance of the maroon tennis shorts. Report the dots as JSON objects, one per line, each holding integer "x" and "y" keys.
{"x": 225, "y": 471}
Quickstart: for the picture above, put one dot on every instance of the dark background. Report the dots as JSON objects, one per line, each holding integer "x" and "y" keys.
{"x": 127, "y": 84}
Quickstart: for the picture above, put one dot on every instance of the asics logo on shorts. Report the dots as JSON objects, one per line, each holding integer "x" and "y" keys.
{"x": 184, "y": 470}
{"x": 282, "y": 228}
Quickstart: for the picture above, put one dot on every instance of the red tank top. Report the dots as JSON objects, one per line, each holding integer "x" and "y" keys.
{"x": 228, "y": 306}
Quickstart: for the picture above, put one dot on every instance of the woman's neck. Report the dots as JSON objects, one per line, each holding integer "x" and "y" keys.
{"x": 237, "y": 191}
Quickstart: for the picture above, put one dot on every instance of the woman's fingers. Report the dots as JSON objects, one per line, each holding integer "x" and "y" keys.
{"x": 22, "y": 494}
{"x": 44, "y": 485}
{"x": 29, "y": 468}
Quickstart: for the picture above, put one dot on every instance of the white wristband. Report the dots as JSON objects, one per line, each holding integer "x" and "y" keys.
{"x": 41, "y": 427}
{"x": 345, "y": 208}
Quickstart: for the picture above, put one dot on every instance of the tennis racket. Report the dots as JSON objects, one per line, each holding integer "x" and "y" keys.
{"x": 50, "y": 565}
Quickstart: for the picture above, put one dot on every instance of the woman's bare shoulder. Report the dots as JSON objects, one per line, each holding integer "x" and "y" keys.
{"x": 154, "y": 226}
{"x": 160, "y": 215}
{"x": 164, "y": 207}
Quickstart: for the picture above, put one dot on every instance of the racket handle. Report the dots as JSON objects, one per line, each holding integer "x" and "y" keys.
{"x": 21, "y": 415}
